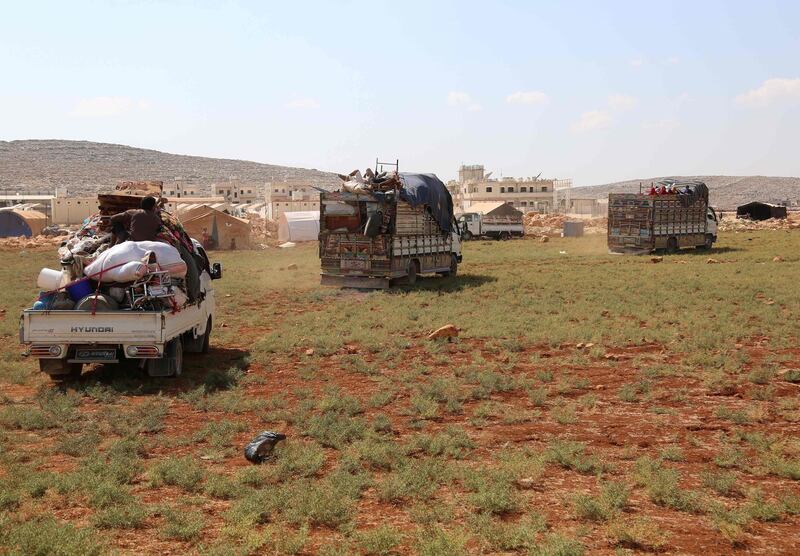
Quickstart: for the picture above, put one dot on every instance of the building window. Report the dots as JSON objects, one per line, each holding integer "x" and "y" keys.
{"x": 523, "y": 189}
{"x": 488, "y": 189}
{"x": 544, "y": 189}
{"x": 511, "y": 190}
{"x": 502, "y": 190}
{"x": 524, "y": 203}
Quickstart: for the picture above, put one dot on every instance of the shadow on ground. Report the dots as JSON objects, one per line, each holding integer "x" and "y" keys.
{"x": 442, "y": 284}
{"x": 215, "y": 370}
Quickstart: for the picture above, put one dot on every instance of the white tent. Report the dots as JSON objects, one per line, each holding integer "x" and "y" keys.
{"x": 298, "y": 226}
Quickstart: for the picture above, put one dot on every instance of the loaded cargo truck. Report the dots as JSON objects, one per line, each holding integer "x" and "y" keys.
{"x": 387, "y": 228}
{"x": 675, "y": 214}
{"x": 156, "y": 336}
{"x": 492, "y": 220}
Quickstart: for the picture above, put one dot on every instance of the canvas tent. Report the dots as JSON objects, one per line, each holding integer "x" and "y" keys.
{"x": 21, "y": 223}
{"x": 298, "y": 226}
{"x": 493, "y": 209}
{"x": 216, "y": 229}
{"x": 760, "y": 211}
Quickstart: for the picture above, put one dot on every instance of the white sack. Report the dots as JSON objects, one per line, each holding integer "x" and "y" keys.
{"x": 167, "y": 257}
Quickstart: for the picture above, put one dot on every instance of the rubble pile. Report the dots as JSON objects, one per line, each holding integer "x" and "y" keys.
{"x": 101, "y": 274}
{"x": 729, "y": 223}
{"x": 544, "y": 225}
{"x": 263, "y": 232}
{"x": 17, "y": 243}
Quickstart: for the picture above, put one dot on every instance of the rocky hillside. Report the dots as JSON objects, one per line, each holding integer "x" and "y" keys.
{"x": 85, "y": 167}
{"x": 726, "y": 192}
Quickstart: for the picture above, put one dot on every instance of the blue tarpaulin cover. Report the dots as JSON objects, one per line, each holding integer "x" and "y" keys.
{"x": 428, "y": 190}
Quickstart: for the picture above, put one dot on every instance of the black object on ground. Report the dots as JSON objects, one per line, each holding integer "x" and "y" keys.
{"x": 260, "y": 448}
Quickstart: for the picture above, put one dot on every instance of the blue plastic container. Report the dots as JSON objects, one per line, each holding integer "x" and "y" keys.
{"x": 79, "y": 289}
{"x": 44, "y": 302}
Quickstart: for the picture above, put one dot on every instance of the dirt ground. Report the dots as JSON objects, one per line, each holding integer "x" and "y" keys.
{"x": 591, "y": 403}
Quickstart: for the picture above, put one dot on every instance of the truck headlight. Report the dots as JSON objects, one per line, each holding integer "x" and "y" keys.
{"x": 55, "y": 351}
{"x": 132, "y": 351}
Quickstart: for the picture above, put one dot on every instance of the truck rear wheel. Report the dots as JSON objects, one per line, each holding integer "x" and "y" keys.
{"x": 672, "y": 245}
{"x": 453, "y": 267}
{"x": 411, "y": 273}
{"x": 59, "y": 370}
{"x": 171, "y": 364}
{"x": 505, "y": 236}
{"x": 709, "y": 242}
{"x": 199, "y": 344}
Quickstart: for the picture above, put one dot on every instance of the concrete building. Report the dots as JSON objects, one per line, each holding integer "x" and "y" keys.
{"x": 475, "y": 185}
{"x": 177, "y": 206}
{"x": 179, "y": 189}
{"x": 287, "y": 196}
{"x": 67, "y": 211}
{"x": 237, "y": 192}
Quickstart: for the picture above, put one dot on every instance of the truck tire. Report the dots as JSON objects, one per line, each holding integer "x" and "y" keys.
{"x": 199, "y": 344}
{"x": 59, "y": 370}
{"x": 708, "y": 243}
{"x": 171, "y": 364}
{"x": 672, "y": 245}
{"x": 413, "y": 270}
{"x": 453, "y": 267}
{"x": 505, "y": 236}
{"x": 466, "y": 236}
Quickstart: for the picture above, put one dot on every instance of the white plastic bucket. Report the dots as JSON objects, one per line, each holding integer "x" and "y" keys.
{"x": 49, "y": 279}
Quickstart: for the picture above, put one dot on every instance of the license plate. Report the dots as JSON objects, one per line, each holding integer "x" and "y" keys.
{"x": 354, "y": 264}
{"x": 96, "y": 354}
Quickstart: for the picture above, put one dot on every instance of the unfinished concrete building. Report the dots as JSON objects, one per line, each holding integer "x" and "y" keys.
{"x": 531, "y": 194}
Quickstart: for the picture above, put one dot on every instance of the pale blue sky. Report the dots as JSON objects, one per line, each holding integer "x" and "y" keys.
{"x": 597, "y": 91}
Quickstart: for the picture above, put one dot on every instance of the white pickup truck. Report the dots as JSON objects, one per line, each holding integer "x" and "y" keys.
{"x": 475, "y": 225}
{"x": 64, "y": 341}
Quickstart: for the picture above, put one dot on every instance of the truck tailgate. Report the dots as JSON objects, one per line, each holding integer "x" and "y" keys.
{"x": 116, "y": 327}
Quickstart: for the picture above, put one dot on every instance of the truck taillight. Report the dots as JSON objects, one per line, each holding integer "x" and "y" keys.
{"x": 143, "y": 352}
{"x": 46, "y": 351}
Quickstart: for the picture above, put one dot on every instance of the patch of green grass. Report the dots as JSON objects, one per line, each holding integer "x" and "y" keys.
{"x": 721, "y": 482}
{"x": 335, "y": 430}
{"x": 672, "y": 453}
{"x": 222, "y": 487}
{"x": 183, "y": 472}
{"x": 378, "y": 541}
{"x": 415, "y": 478}
{"x": 663, "y": 486}
{"x": 493, "y": 491}
{"x": 501, "y": 535}
{"x": 613, "y": 499}
{"x": 638, "y": 533}
{"x": 565, "y": 414}
{"x": 441, "y": 542}
{"x": 453, "y": 442}
{"x": 130, "y": 515}
{"x": 42, "y": 536}
{"x": 571, "y": 455}
{"x": 558, "y": 545}
{"x": 183, "y": 524}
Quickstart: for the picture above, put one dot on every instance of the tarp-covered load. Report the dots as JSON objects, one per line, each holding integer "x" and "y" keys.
{"x": 429, "y": 191}
{"x": 425, "y": 190}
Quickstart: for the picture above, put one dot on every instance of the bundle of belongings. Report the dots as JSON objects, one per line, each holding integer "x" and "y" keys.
{"x": 132, "y": 255}
{"x": 425, "y": 190}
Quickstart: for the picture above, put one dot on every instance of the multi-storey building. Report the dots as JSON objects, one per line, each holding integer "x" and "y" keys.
{"x": 290, "y": 196}
{"x": 236, "y": 192}
{"x": 475, "y": 185}
{"x": 179, "y": 189}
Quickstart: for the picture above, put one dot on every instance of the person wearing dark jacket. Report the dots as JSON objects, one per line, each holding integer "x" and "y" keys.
{"x": 142, "y": 224}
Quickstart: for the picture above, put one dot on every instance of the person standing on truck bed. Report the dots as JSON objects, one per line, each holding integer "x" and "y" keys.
{"x": 142, "y": 224}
